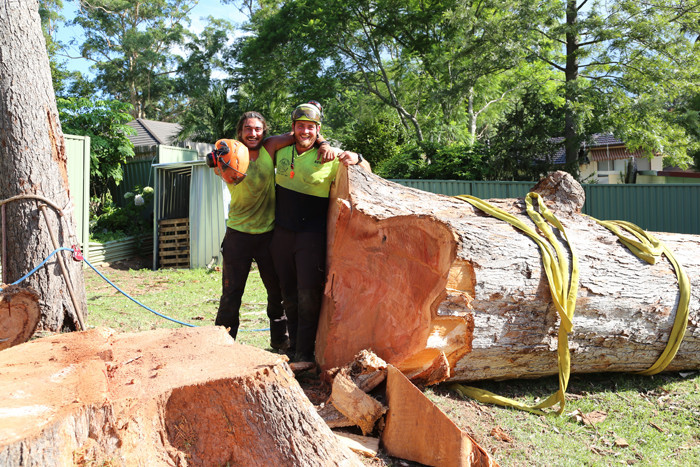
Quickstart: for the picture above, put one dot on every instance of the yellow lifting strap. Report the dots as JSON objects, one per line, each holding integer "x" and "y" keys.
{"x": 556, "y": 268}
{"x": 563, "y": 285}
{"x": 648, "y": 248}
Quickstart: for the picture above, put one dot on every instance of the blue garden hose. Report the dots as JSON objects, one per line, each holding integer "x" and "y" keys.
{"x": 115, "y": 286}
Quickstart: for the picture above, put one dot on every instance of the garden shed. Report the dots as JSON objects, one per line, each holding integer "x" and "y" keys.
{"x": 190, "y": 210}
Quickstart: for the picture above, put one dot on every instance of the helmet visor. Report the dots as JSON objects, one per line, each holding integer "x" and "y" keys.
{"x": 307, "y": 112}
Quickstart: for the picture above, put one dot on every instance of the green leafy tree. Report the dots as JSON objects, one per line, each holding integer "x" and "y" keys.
{"x": 131, "y": 44}
{"x": 51, "y": 19}
{"x": 433, "y": 63}
{"x": 195, "y": 89}
{"x": 105, "y": 123}
{"x": 623, "y": 63}
{"x": 688, "y": 116}
{"x": 522, "y": 148}
{"x": 429, "y": 160}
{"x": 211, "y": 118}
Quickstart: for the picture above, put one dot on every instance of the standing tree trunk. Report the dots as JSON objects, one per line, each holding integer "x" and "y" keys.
{"x": 33, "y": 161}
{"x": 440, "y": 289}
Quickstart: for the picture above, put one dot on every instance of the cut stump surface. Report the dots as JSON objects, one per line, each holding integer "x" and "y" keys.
{"x": 166, "y": 397}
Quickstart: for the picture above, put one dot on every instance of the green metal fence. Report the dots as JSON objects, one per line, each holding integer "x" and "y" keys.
{"x": 658, "y": 208}
{"x": 78, "y": 166}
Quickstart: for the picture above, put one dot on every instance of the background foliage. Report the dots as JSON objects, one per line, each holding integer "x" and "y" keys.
{"x": 104, "y": 121}
{"x": 447, "y": 85}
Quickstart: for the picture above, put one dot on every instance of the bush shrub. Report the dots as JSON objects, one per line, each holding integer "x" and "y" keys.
{"x": 115, "y": 222}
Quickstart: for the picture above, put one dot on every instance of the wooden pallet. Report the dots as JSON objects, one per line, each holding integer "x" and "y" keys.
{"x": 174, "y": 243}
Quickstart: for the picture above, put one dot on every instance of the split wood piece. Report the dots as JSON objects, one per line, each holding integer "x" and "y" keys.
{"x": 365, "y": 445}
{"x": 355, "y": 404}
{"x": 442, "y": 290}
{"x": 19, "y": 315}
{"x": 188, "y": 396}
{"x": 417, "y": 430}
{"x": 366, "y": 370}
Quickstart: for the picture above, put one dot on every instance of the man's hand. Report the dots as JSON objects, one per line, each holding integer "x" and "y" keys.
{"x": 326, "y": 153}
{"x": 349, "y": 158}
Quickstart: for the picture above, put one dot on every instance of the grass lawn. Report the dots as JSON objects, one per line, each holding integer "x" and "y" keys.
{"x": 609, "y": 419}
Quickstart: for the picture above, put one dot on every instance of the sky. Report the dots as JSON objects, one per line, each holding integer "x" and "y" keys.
{"x": 198, "y": 17}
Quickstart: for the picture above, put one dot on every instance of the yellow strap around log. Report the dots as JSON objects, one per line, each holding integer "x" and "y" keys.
{"x": 649, "y": 248}
{"x": 563, "y": 286}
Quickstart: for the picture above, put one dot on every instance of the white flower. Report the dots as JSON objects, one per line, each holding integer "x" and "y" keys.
{"x": 138, "y": 200}
{"x": 128, "y": 195}
{"x": 147, "y": 190}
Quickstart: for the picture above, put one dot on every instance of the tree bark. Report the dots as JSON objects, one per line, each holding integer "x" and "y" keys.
{"x": 33, "y": 161}
{"x": 436, "y": 287}
{"x": 189, "y": 396}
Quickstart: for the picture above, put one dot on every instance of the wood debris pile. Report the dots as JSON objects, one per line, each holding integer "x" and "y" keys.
{"x": 376, "y": 398}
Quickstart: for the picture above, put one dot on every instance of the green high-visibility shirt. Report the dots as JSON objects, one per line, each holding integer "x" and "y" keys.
{"x": 252, "y": 208}
{"x": 302, "y": 198}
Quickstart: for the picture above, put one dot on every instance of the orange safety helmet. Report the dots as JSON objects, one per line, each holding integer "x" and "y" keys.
{"x": 230, "y": 160}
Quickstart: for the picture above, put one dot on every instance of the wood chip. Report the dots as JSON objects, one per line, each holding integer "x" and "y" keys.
{"x": 365, "y": 445}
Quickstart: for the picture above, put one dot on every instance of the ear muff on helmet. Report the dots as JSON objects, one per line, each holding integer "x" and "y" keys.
{"x": 230, "y": 160}
{"x": 308, "y": 112}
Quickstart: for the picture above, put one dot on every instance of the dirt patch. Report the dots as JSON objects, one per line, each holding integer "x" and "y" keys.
{"x": 137, "y": 262}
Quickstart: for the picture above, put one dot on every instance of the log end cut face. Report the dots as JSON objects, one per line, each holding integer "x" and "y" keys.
{"x": 561, "y": 189}
{"x": 397, "y": 284}
{"x": 19, "y": 315}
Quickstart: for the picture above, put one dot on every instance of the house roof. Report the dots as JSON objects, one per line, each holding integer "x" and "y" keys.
{"x": 152, "y": 132}
{"x": 601, "y": 147}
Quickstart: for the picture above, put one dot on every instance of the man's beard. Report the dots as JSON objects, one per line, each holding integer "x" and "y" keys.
{"x": 305, "y": 143}
{"x": 247, "y": 143}
{"x": 254, "y": 148}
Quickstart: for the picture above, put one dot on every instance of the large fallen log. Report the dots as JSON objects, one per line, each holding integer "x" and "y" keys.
{"x": 166, "y": 397}
{"x": 441, "y": 290}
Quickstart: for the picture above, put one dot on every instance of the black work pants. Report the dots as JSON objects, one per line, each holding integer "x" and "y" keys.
{"x": 300, "y": 262}
{"x": 239, "y": 250}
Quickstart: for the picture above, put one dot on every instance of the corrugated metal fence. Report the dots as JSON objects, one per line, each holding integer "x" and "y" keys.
{"x": 139, "y": 172}
{"x": 78, "y": 166}
{"x": 658, "y": 208}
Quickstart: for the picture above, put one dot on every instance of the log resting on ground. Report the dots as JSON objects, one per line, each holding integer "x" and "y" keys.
{"x": 19, "y": 315}
{"x": 442, "y": 290}
{"x": 168, "y": 397}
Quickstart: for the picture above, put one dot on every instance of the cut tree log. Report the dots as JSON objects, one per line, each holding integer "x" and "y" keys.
{"x": 417, "y": 430}
{"x": 168, "y": 397}
{"x": 442, "y": 290}
{"x": 19, "y": 315}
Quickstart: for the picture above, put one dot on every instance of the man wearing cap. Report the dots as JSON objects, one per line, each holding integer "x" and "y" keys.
{"x": 299, "y": 241}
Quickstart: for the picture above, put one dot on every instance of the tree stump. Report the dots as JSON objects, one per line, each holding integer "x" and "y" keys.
{"x": 167, "y": 397}
{"x": 442, "y": 290}
{"x": 19, "y": 315}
